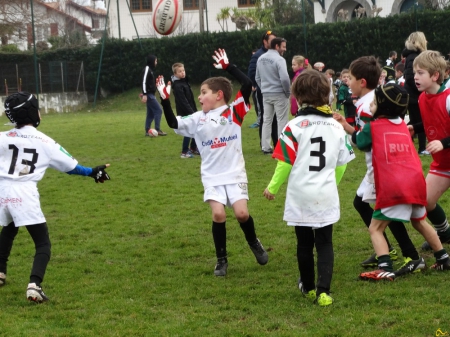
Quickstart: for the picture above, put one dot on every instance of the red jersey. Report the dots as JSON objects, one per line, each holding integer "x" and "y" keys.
{"x": 394, "y": 155}
{"x": 436, "y": 122}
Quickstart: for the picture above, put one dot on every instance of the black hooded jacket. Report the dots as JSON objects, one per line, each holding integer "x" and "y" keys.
{"x": 410, "y": 84}
{"x": 149, "y": 80}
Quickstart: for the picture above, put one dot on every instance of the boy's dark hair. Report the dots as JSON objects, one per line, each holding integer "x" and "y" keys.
{"x": 220, "y": 83}
{"x": 392, "y": 53}
{"x": 311, "y": 87}
{"x": 392, "y": 100}
{"x": 22, "y": 108}
{"x": 267, "y": 34}
{"x": 276, "y": 42}
{"x": 400, "y": 67}
{"x": 368, "y": 68}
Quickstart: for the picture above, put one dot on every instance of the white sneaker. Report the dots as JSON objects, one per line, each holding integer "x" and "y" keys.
{"x": 2, "y": 279}
{"x": 187, "y": 155}
{"x": 35, "y": 293}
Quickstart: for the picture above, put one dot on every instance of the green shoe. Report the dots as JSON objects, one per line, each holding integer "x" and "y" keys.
{"x": 310, "y": 295}
{"x": 324, "y": 300}
{"x": 393, "y": 254}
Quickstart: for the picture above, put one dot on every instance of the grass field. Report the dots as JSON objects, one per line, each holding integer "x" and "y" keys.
{"x": 135, "y": 257}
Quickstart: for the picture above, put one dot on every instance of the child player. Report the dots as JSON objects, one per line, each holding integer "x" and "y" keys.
{"x": 25, "y": 154}
{"x": 217, "y": 132}
{"x": 364, "y": 75}
{"x": 344, "y": 98}
{"x": 310, "y": 148}
{"x": 185, "y": 105}
{"x": 397, "y": 198}
{"x": 434, "y": 104}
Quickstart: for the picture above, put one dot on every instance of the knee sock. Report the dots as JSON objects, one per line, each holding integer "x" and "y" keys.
{"x": 219, "y": 232}
{"x": 441, "y": 256}
{"x": 248, "y": 228}
{"x": 438, "y": 219}
{"x": 385, "y": 263}
{"x": 400, "y": 233}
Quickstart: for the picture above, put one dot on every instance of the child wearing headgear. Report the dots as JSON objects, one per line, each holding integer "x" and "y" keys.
{"x": 25, "y": 155}
{"x": 310, "y": 149}
{"x": 397, "y": 199}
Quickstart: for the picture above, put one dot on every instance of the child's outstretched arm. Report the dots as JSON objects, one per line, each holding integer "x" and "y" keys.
{"x": 220, "y": 56}
{"x": 98, "y": 173}
{"x": 279, "y": 177}
{"x": 164, "y": 92}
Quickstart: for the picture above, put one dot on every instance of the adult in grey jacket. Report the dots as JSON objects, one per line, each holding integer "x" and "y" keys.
{"x": 273, "y": 79}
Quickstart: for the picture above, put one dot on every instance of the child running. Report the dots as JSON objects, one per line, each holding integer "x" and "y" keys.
{"x": 309, "y": 150}
{"x": 217, "y": 132}
{"x": 25, "y": 155}
{"x": 434, "y": 103}
{"x": 397, "y": 198}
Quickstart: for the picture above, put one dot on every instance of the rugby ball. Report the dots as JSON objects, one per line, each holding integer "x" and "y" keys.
{"x": 167, "y": 16}
{"x": 319, "y": 66}
{"x": 153, "y": 133}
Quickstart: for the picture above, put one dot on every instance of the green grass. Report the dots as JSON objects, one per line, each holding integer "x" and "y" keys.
{"x": 135, "y": 257}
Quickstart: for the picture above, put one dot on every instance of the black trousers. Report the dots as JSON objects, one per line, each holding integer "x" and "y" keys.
{"x": 414, "y": 118}
{"x": 322, "y": 238}
{"x": 274, "y": 133}
{"x": 41, "y": 239}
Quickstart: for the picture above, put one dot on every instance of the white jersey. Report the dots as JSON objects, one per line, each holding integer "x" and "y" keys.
{"x": 314, "y": 145}
{"x": 26, "y": 153}
{"x": 363, "y": 116}
{"x": 217, "y": 134}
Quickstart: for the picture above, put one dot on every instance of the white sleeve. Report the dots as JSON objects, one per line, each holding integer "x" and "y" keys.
{"x": 346, "y": 152}
{"x": 61, "y": 160}
{"x": 187, "y": 126}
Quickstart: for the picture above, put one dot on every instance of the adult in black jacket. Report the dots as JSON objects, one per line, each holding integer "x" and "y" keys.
{"x": 154, "y": 111}
{"x": 415, "y": 44}
{"x": 266, "y": 38}
{"x": 185, "y": 104}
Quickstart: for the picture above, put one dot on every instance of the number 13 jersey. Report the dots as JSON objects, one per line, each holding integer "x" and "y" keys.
{"x": 26, "y": 153}
{"x": 314, "y": 144}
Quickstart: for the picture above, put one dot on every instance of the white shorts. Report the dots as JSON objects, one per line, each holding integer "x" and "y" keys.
{"x": 403, "y": 213}
{"x": 19, "y": 202}
{"x": 366, "y": 191}
{"x": 226, "y": 194}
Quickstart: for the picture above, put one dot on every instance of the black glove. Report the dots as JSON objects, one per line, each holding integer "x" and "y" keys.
{"x": 99, "y": 174}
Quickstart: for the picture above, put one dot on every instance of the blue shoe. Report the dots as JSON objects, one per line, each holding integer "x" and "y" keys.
{"x": 254, "y": 125}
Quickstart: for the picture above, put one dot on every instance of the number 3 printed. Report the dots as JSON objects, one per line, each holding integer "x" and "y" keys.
{"x": 318, "y": 154}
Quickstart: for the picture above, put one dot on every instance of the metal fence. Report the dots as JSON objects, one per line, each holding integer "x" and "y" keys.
{"x": 53, "y": 77}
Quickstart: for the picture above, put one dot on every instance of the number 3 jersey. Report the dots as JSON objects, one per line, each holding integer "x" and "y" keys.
{"x": 314, "y": 144}
{"x": 26, "y": 153}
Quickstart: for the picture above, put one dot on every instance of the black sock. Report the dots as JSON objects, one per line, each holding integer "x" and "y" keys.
{"x": 35, "y": 279}
{"x": 441, "y": 256}
{"x": 248, "y": 228}
{"x": 219, "y": 232}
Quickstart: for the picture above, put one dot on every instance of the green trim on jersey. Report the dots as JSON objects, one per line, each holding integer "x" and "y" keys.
{"x": 364, "y": 138}
{"x": 377, "y": 215}
{"x": 63, "y": 150}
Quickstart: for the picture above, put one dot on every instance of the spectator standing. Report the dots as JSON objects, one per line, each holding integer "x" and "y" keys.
{"x": 266, "y": 39}
{"x": 273, "y": 79}
{"x": 154, "y": 111}
{"x": 414, "y": 45}
{"x": 298, "y": 65}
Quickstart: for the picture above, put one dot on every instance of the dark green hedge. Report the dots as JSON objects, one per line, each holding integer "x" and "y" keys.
{"x": 334, "y": 44}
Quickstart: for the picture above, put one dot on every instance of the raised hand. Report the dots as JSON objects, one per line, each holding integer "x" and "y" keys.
{"x": 220, "y": 56}
{"x": 164, "y": 91}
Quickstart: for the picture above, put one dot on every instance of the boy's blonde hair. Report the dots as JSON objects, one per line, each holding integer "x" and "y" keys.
{"x": 175, "y": 66}
{"x": 329, "y": 71}
{"x": 416, "y": 41}
{"x": 311, "y": 87}
{"x": 299, "y": 59}
{"x": 433, "y": 62}
{"x": 345, "y": 71}
{"x": 220, "y": 83}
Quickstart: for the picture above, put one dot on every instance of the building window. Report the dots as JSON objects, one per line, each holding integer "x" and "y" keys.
{"x": 190, "y": 4}
{"x": 95, "y": 23}
{"x": 141, "y": 5}
{"x": 246, "y": 3}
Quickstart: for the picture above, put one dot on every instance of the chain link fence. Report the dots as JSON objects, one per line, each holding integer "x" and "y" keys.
{"x": 53, "y": 77}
